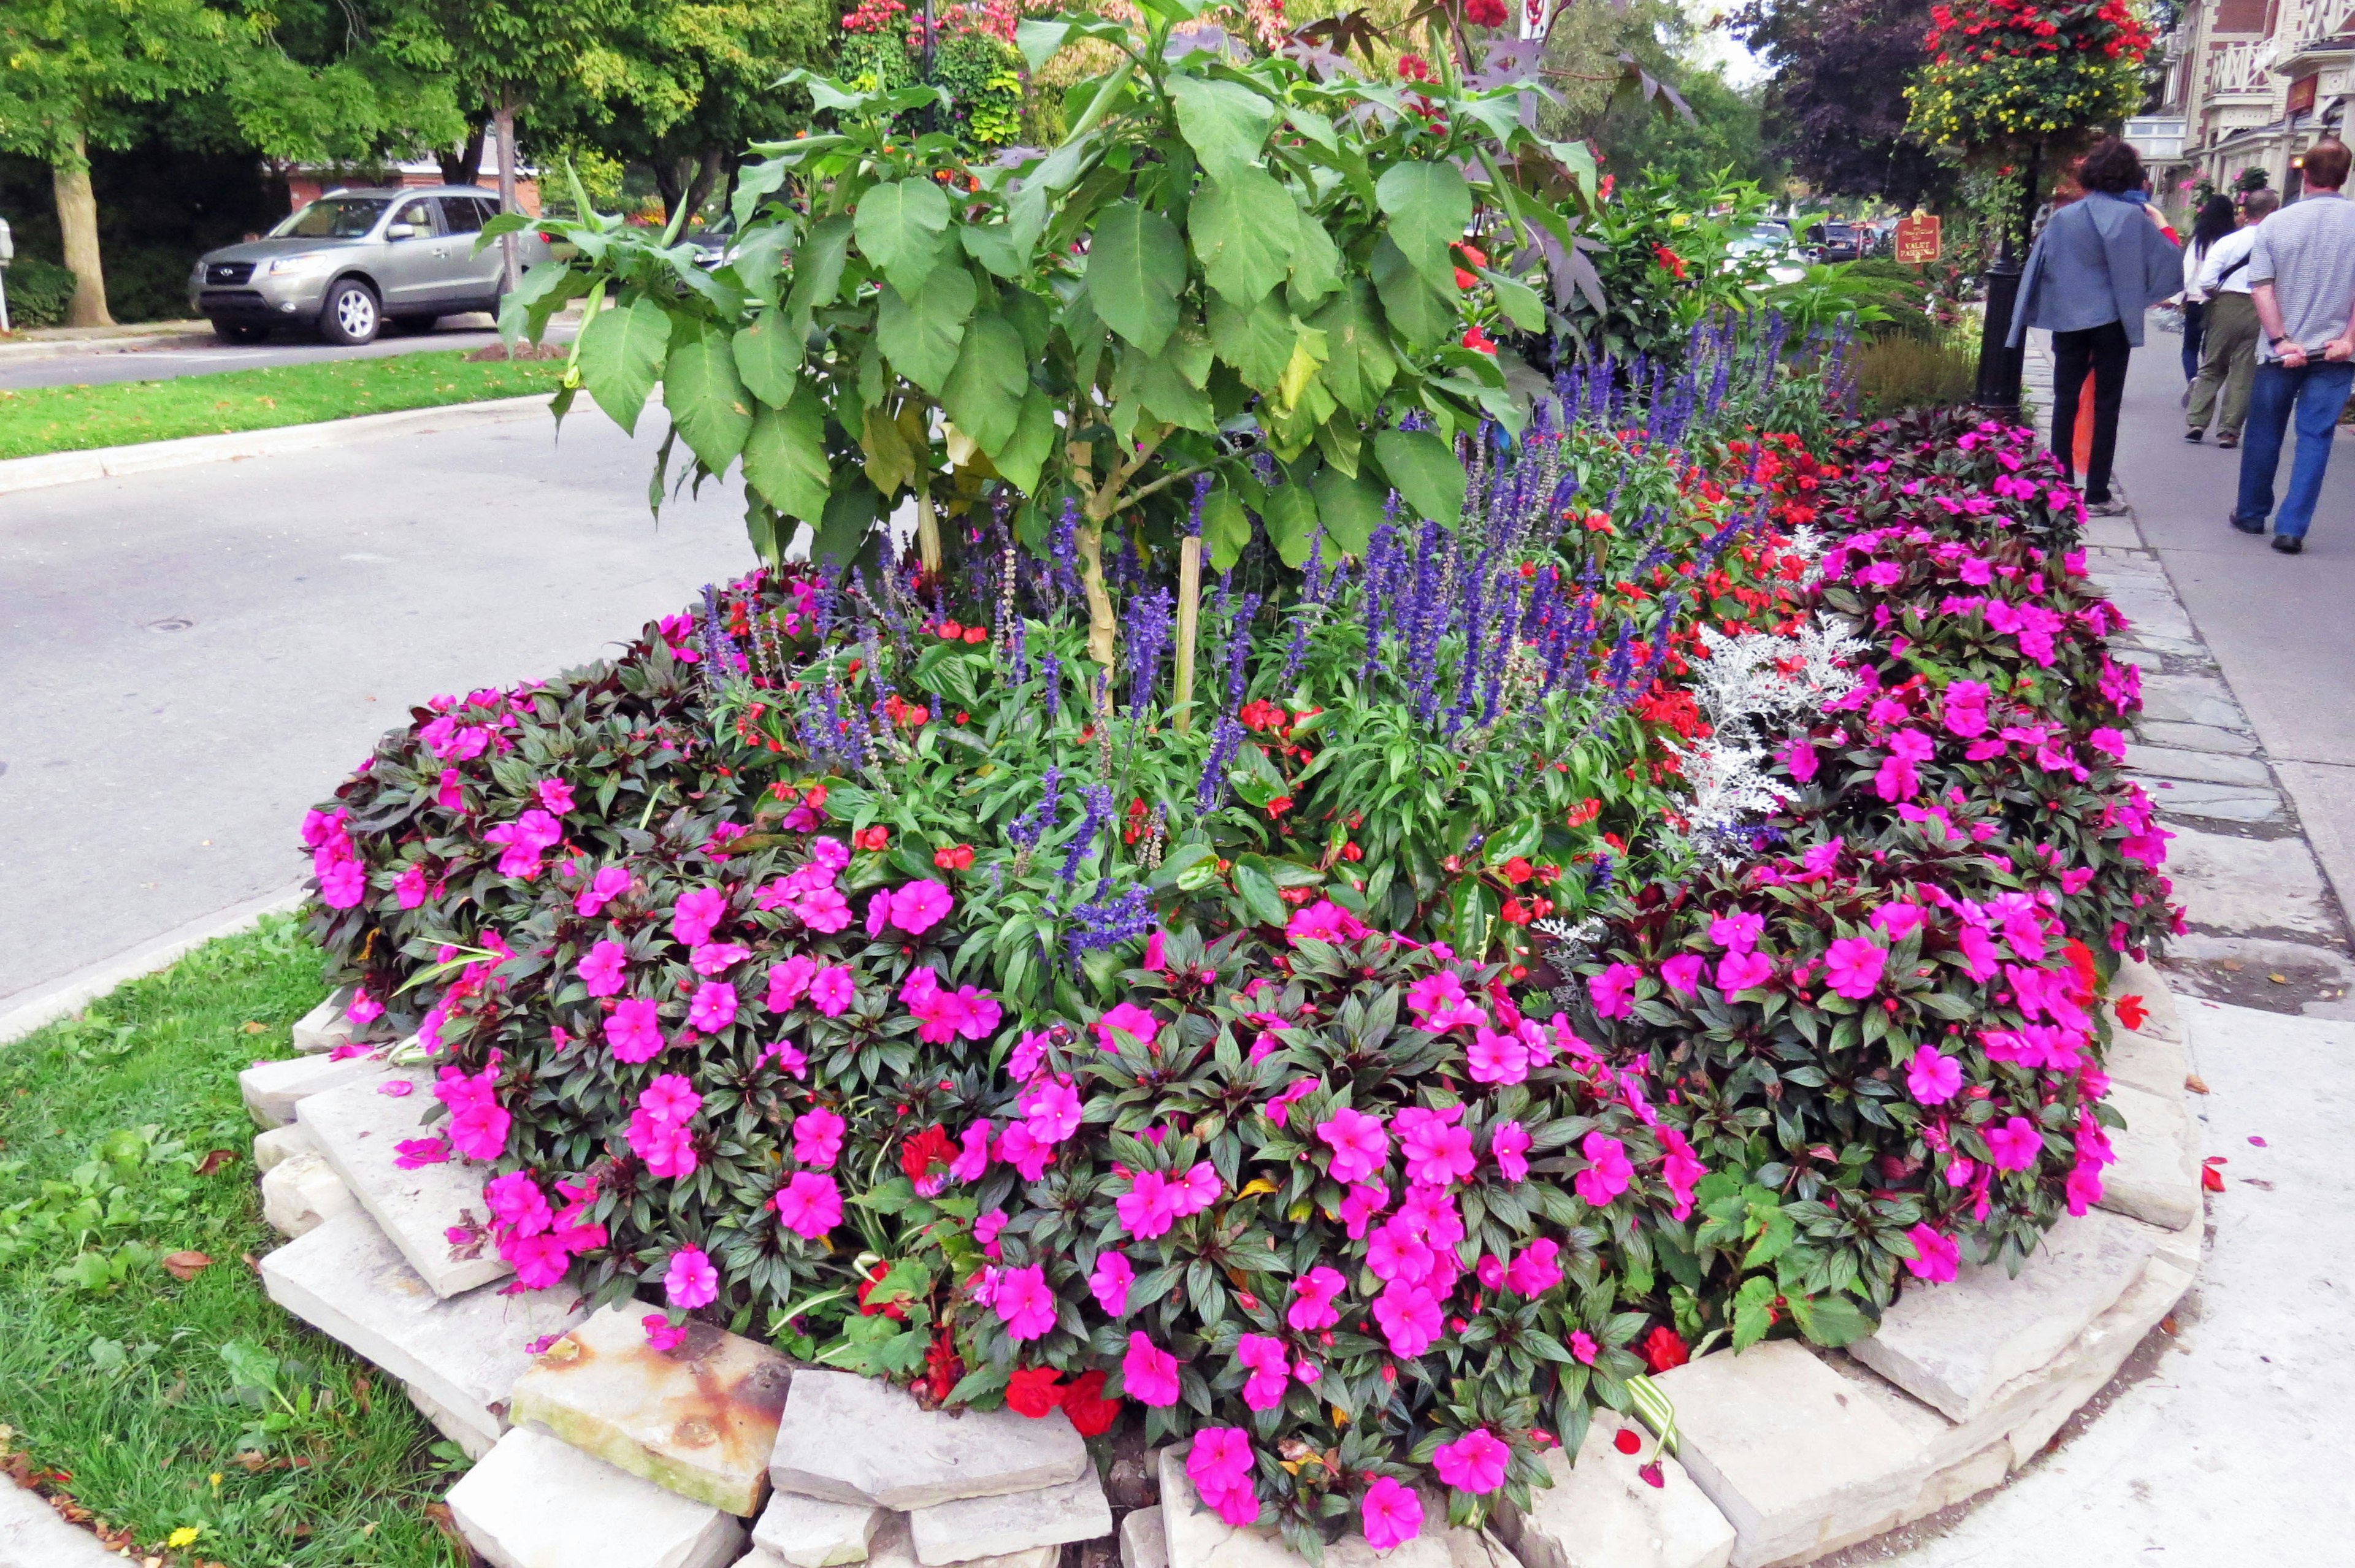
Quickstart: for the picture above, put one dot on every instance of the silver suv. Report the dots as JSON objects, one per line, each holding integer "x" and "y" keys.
{"x": 355, "y": 259}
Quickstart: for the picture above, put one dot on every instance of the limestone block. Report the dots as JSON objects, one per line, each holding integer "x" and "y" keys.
{"x": 325, "y": 1026}
{"x": 759, "y": 1557}
{"x": 360, "y": 1129}
{"x": 271, "y": 1089}
{"x": 2157, "y": 1176}
{"x": 470, "y": 1440}
{"x": 854, "y": 1439}
{"x": 1011, "y": 1521}
{"x": 1197, "y": 1538}
{"x": 1790, "y": 1456}
{"x": 2136, "y": 978}
{"x": 1954, "y": 1346}
{"x": 278, "y": 1144}
{"x": 1477, "y": 1547}
{"x": 2148, "y": 1061}
{"x": 1599, "y": 1513}
{"x": 464, "y": 1353}
{"x": 1141, "y": 1543}
{"x": 301, "y": 1194}
{"x": 699, "y": 1418}
{"x": 894, "y": 1547}
{"x": 810, "y": 1533}
{"x": 2094, "y": 1357}
{"x": 535, "y": 1502}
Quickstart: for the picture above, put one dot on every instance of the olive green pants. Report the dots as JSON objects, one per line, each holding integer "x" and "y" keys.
{"x": 2228, "y": 360}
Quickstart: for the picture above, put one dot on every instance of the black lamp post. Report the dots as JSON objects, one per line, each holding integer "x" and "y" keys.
{"x": 1999, "y": 364}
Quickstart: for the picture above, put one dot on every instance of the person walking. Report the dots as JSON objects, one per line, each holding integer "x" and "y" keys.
{"x": 2302, "y": 280}
{"x": 2099, "y": 265}
{"x": 2229, "y": 328}
{"x": 2215, "y": 219}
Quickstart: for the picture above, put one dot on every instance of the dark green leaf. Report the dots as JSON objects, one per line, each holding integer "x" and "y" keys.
{"x": 902, "y": 227}
{"x": 707, "y": 403}
{"x": 984, "y": 394}
{"x": 1224, "y": 122}
{"x": 1428, "y": 205}
{"x": 784, "y": 457}
{"x": 920, "y": 335}
{"x": 1423, "y": 469}
{"x": 1137, "y": 268}
{"x": 769, "y": 359}
{"x": 622, "y": 353}
{"x": 1243, "y": 230}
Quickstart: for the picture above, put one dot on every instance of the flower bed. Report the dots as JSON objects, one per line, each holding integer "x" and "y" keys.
{"x": 1663, "y": 907}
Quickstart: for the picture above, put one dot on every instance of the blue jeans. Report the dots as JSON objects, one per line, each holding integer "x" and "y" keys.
{"x": 2193, "y": 322}
{"x": 2316, "y": 392}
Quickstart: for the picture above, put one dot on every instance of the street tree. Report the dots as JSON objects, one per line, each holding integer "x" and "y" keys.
{"x": 1836, "y": 109}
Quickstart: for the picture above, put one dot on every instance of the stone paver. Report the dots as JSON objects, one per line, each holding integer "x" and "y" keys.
{"x": 2248, "y": 884}
{"x": 2147, "y": 1061}
{"x": 2206, "y": 767}
{"x": 1794, "y": 1460}
{"x": 2192, "y": 700}
{"x": 275, "y": 1144}
{"x": 271, "y": 1089}
{"x": 1600, "y": 1513}
{"x": 853, "y": 1439}
{"x": 811, "y": 1533}
{"x": 2161, "y": 1017}
{"x": 2217, "y": 802}
{"x": 1473, "y": 1548}
{"x": 1141, "y": 1542}
{"x": 360, "y": 1129}
{"x": 464, "y": 1353}
{"x": 893, "y": 1548}
{"x": 2196, "y": 738}
{"x": 302, "y": 1192}
{"x": 325, "y": 1026}
{"x": 1011, "y": 1521}
{"x": 1198, "y": 1538}
{"x": 535, "y": 1502}
{"x": 33, "y": 1536}
{"x": 470, "y": 1442}
{"x": 2157, "y": 1176}
{"x": 1954, "y": 1345}
{"x": 700, "y": 1419}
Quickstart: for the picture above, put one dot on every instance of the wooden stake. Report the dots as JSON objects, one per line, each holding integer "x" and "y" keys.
{"x": 1189, "y": 618}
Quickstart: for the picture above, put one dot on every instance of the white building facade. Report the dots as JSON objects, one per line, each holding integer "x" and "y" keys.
{"x": 2250, "y": 84}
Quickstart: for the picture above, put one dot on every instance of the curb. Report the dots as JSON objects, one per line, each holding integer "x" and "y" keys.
{"x": 33, "y": 1536}
{"x": 145, "y": 336}
{"x": 147, "y": 458}
{"x": 63, "y": 998}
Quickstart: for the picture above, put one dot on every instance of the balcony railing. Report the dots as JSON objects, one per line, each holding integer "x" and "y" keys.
{"x": 2241, "y": 70}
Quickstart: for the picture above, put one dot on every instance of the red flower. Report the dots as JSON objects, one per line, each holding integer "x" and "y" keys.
{"x": 1516, "y": 870}
{"x": 1663, "y": 1349}
{"x": 1475, "y": 338}
{"x": 1484, "y": 13}
{"x": 2131, "y": 1012}
{"x": 943, "y": 1367}
{"x": 1084, "y": 1402}
{"x": 1413, "y": 67}
{"x": 891, "y": 1308}
{"x": 955, "y": 857}
{"x": 1671, "y": 259}
{"x": 926, "y": 1149}
{"x": 1032, "y": 1391}
{"x": 1626, "y": 1441}
{"x": 876, "y": 838}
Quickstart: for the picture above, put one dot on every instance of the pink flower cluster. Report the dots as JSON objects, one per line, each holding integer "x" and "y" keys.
{"x": 1219, "y": 1465}
{"x": 343, "y": 879}
{"x": 538, "y": 1240}
{"x": 660, "y": 1130}
{"x": 525, "y": 842}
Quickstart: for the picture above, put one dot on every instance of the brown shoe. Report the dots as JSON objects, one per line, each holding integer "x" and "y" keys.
{"x": 2228, "y": 438}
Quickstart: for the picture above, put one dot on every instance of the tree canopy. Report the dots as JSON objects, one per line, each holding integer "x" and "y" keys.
{"x": 1836, "y": 109}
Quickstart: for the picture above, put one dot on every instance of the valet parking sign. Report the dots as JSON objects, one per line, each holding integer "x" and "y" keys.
{"x": 1917, "y": 239}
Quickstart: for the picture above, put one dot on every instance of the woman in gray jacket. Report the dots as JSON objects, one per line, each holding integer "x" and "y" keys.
{"x": 2100, "y": 263}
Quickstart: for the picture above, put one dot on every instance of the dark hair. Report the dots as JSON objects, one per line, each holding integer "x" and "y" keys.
{"x": 2324, "y": 165}
{"x": 2215, "y": 221}
{"x": 2111, "y": 166}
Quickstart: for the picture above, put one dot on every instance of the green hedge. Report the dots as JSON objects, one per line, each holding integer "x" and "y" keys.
{"x": 40, "y": 292}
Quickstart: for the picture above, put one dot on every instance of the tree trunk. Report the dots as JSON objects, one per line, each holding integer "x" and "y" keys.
{"x": 708, "y": 171}
{"x": 77, "y": 223}
{"x": 503, "y": 115}
{"x": 463, "y": 166}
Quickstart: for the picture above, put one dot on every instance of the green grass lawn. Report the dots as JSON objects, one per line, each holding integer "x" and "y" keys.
{"x": 76, "y": 419}
{"x": 164, "y": 1406}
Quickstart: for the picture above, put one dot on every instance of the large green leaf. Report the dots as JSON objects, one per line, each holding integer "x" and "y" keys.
{"x": 1033, "y": 443}
{"x": 1137, "y": 268}
{"x": 817, "y": 267}
{"x": 984, "y": 394}
{"x": 1316, "y": 262}
{"x": 1224, "y": 122}
{"x": 1291, "y": 519}
{"x": 920, "y": 335}
{"x": 707, "y": 401}
{"x": 902, "y": 228}
{"x": 1351, "y": 508}
{"x": 1423, "y": 470}
{"x": 1257, "y": 342}
{"x": 1422, "y": 315}
{"x": 1359, "y": 365}
{"x": 1226, "y": 528}
{"x": 769, "y": 359}
{"x": 1244, "y": 229}
{"x": 1428, "y": 205}
{"x": 784, "y": 457}
{"x": 850, "y": 512}
{"x": 622, "y": 352}
{"x": 1158, "y": 382}
{"x": 1518, "y": 299}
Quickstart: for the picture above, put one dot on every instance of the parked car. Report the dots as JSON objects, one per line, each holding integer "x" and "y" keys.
{"x": 1833, "y": 242}
{"x": 1769, "y": 240}
{"x": 355, "y": 261}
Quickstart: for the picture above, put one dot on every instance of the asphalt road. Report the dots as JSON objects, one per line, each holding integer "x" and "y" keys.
{"x": 202, "y": 354}
{"x": 194, "y": 656}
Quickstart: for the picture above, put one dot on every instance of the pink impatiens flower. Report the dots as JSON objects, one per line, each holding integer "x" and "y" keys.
{"x": 1130, "y": 1019}
{"x": 789, "y": 982}
{"x": 663, "y": 1336}
{"x": 1682, "y": 973}
{"x": 809, "y": 1204}
{"x": 1534, "y": 1270}
{"x": 1437, "y": 1151}
{"x": 1938, "y": 1255}
{"x": 1024, "y": 1303}
{"x": 1149, "y": 1373}
{"x": 1271, "y": 1369}
{"x": 818, "y": 1137}
{"x": 478, "y": 1125}
{"x": 690, "y": 1280}
{"x": 1389, "y": 1512}
{"x": 1474, "y": 1463}
{"x": 1358, "y": 1143}
{"x": 1312, "y": 1299}
{"x": 919, "y": 906}
{"x": 833, "y": 991}
{"x": 2015, "y": 1144}
{"x": 633, "y": 1032}
{"x": 1613, "y": 991}
{"x": 1409, "y": 1316}
{"x": 604, "y": 971}
{"x": 973, "y": 1155}
{"x": 517, "y": 1204}
{"x": 713, "y": 1007}
{"x": 695, "y": 912}
{"x": 1608, "y": 1173}
{"x": 1933, "y": 1077}
{"x": 1853, "y": 965}
{"x": 1109, "y": 1282}
{"x": 1583, "y": 1347}
{"x": 555, "y": 795}
{"x": 1743, "y": 971}
{"x": 1149, "y": 1207}
{"x": 659, "y": 1130}
{"x": 1220, "y": 1466}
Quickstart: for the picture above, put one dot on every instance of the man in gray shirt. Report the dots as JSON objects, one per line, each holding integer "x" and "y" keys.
{"x": 2302, "y": 279}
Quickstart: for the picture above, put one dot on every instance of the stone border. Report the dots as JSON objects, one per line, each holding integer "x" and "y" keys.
{"x": 1788, "y": 1452}
{"x": 65, "y": 996}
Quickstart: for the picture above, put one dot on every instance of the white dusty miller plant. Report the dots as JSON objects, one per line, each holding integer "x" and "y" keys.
{"x": 1749, "y": 689}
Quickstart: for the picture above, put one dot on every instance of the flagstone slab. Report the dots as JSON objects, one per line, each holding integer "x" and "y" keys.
{"x": 302, "y": 1192}
{"x": 1954, "y": 1346}
{"x": 1599, "y": 1513}
{"x": 349, "y": 1282}
{"x": 2202, "y": 767}
{"x": 359, "y": 1128}
{"x": 1790, "y": 1456}
{"x": 2148, "y": 1061}
{"x": 700, "y": 1419}
{"x": 852, "y": 1439}
{"x": 273, "y": 1089}
{"x": 1011, "y": 1521}
{"x": 536, "y": 1502}
{"x": 326, "y": 1026}
{"x": 2161, "y": 1017}
{"x": 470, "y": 1440}
{"x": 2157, "y": 1176}
{"x": 811, "y": 1533}
{"x": 276, "y": 1144}
{"x": 894, "y": 1547}
{"x": 1141, "y": 1542}
{"x": 1473, "y": 1548}
{"x": 1195, "y": 1537}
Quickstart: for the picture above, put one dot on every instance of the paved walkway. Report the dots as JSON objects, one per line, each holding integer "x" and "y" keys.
{"x": 84, "y": 362}
{"x": 195, "y": 655}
